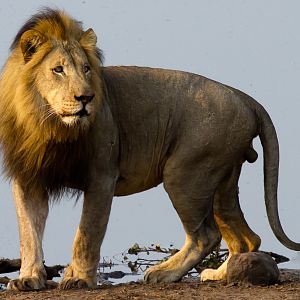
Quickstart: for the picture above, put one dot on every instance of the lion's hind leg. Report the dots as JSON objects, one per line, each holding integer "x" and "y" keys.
{"x": 192, "y": 197}
{"x": 232, "y": 224}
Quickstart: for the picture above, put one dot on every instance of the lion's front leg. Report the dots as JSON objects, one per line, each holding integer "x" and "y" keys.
{"x": 81, "y": 272}
{"x": 32, "y": 211}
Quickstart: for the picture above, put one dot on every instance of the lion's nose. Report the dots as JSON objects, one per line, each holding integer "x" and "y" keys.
{"x": 84, "y": 98}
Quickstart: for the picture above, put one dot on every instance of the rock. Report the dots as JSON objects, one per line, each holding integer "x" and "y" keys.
{"x": 255, "y": 268}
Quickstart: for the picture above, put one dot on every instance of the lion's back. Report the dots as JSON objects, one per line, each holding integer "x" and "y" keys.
{"x": 160, "y": 110}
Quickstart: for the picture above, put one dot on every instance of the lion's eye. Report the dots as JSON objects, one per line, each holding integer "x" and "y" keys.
{"x": 86, "y": 69}
{"x": 58, "y": 69}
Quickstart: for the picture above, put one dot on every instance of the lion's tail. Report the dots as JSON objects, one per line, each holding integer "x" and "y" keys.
{"x": 268, "y": 137}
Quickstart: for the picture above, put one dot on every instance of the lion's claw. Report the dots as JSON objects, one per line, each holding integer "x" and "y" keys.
{"x": 27, "y": 284}
{"x": 156, "y": 274}
{"x": 74, "y": 283}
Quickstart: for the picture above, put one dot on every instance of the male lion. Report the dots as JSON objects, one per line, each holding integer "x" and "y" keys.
{"x": 69, "y": 124}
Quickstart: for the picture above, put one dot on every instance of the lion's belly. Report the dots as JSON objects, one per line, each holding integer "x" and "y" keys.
{"x": 131, "y": 185}
{"x": 140, "y": 169}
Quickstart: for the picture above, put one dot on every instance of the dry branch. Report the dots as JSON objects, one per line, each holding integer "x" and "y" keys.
{"x": 4, "y": 280}
{"x": 13, "y": 265}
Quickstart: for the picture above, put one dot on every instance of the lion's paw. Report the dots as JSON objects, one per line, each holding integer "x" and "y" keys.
{"x": 27, "y": 284}
{"x": 158, "y": 273}
{"x": 212, "y": 274}
{"x": 75, "y": 283}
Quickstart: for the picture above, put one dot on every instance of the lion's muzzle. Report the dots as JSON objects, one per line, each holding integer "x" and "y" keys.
{"x": 85, "y": 98}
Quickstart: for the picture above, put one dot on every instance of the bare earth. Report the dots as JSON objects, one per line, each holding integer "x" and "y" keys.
{"x": 289, "y": 288}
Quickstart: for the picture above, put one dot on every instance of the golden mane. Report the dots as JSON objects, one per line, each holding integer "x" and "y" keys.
{"x": 33, "y": 149}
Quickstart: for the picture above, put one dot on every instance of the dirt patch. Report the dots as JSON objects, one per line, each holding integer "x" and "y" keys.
{"x": 289, "y": 288}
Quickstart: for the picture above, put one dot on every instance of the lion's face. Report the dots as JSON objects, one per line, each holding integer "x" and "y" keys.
{"x": 65, "y": 83}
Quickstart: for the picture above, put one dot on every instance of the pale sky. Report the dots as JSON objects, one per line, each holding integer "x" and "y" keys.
{"x": 252, "y": 45}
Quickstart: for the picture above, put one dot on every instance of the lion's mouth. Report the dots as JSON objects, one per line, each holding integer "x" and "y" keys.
{"x": 81, "y": 113}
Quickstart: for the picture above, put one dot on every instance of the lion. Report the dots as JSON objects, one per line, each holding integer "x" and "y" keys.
{"x": 68, "y": 124}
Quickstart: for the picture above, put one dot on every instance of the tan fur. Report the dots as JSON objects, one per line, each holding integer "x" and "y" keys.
{"x": 29, "y": 124}
{"x": 69, "y": 124}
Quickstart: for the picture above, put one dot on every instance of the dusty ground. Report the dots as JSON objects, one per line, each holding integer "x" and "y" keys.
{"x": 289, "y": 288}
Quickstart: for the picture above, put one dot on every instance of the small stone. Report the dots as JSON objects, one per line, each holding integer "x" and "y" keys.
{"x": 254, "y": 268}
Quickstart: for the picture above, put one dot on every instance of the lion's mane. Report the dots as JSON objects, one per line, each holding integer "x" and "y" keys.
{"x": 35, "y": 151}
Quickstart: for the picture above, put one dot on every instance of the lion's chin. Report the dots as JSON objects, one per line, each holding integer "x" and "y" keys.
{"x": 70, "y": 120}
{"x": 81, "y": 117}
{"x": 75, "y": 120}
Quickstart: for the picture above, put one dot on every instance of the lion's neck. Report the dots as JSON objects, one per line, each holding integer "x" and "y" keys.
{"x": 55, "y": 164}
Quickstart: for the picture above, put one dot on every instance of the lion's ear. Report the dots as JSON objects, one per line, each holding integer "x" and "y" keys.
{"x": 88, "y": 40}
{"x": 30, "y": 41}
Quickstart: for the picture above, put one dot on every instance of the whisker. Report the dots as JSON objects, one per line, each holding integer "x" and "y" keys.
{"x": 49, "y": 113}
{"x": 41, "y": 107}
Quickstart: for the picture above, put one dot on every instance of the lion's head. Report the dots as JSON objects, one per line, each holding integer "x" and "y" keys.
{"x": 58, "y": 64}
{"x": 50, "y": 92}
